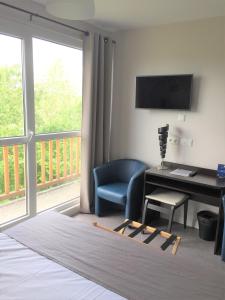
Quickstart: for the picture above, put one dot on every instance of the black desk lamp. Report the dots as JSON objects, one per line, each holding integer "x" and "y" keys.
{"x": 163, "y": 135}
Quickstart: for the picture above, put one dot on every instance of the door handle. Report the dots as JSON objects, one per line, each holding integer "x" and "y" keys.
{"x": 30, "y": 136}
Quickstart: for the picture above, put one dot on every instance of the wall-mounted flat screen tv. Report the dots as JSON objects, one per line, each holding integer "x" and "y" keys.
{"x": 164, "y": 92}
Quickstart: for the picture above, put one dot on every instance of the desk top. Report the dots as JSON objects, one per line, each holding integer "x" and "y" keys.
{"x": 205, "y": 177}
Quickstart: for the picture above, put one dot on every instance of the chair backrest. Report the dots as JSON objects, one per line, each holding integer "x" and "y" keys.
{"x": 124, "y": 169}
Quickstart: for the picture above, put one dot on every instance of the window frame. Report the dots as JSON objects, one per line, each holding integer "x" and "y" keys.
{"x": 26, "y": 32}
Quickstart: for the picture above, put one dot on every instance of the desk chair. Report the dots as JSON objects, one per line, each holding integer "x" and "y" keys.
{"x": 169, "y": 198}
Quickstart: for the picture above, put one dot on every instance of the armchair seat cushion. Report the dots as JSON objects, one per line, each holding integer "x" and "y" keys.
{"x": 115, "y": 192}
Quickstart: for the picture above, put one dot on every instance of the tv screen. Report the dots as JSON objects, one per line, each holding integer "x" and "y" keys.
{"x": 165, "y": 92}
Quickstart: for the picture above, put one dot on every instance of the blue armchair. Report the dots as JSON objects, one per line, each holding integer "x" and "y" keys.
{"x": 120, "y": 182}
{"x": 223, "y": 243}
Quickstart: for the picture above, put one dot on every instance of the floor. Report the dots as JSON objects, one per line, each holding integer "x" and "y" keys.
{"x": 45, "y": 199}
{"x": 191, "y": 245}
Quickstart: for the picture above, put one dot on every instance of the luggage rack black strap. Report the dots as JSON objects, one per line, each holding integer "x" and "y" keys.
{"x": 168, "y": 242}
{"x": 151, "y": 236}
{"x": 138, "y": 230}
{"x": 123, "y": 225}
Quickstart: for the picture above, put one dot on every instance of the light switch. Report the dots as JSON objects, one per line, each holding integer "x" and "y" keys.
{"x": 181, "y": 117}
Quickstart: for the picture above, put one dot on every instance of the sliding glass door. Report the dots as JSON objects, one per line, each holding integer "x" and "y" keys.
{"x": 40, "y": 124}
{"x": 12, "y": 131}
{"x": 58, "y": 111}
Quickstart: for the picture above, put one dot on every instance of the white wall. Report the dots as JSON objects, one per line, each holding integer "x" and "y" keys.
{"x": 191, "y": 47}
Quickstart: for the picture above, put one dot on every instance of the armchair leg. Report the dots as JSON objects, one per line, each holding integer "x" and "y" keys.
{"x": 98, "y": 210}
{"x": 129, "y": 214}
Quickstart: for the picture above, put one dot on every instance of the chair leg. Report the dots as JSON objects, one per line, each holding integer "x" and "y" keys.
{"x": 185, "y": 213}
{"x": 98, "y": 208}
{"x": 144, "y": 211}
{"x": 170, "y": 219}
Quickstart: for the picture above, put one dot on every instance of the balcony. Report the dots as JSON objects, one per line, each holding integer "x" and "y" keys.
{"x": 58, "y": 176}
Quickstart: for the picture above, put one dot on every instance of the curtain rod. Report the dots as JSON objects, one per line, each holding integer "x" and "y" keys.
{"x": 32, "y": 14}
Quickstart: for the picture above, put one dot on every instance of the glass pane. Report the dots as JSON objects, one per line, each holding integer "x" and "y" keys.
{"x": 11, "y": 91}
{"x": 58, "y": 87}
{"x": 58, "y": 172}
{"x": 12, "y": 183}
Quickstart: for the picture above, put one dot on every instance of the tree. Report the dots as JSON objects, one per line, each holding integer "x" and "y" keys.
{"x": 57, "y": 108}
{"x": 56, "y": 92}
{"x": 11, "y": 101}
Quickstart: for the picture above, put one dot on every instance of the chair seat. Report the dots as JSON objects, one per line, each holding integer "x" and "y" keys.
{"x": 167, "y": 196}
{"x": 115, "y": 192}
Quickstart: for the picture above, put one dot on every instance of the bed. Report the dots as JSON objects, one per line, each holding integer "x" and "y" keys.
{"x": 26, "y": 275}
{"x": 53, "y": 256}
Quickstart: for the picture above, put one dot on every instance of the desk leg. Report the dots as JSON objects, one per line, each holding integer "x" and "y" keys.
{"x": 143, "y": 200}
{"x": 219, "y": 230}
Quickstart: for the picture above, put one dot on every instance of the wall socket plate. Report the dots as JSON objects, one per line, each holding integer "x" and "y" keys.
{"x": 176, "y": 140}
{"x": 173, "y": 139}
{"x": 181, "y": 117}
{"x": 186, "y": 142}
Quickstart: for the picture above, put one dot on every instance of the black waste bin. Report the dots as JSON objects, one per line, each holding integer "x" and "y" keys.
{"x": 207, "y": 221}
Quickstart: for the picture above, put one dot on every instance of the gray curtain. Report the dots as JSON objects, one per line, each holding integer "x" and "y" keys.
{"x": 97, "y": 107}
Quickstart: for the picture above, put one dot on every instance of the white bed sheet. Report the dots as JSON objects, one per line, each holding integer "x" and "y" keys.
{"x": 26, "y": 275}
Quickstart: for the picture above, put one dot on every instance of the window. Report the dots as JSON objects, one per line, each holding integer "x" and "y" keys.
{"x": 11, "y": 91}
{"x": 40, "y": 124}
{"x": 58, "y": 84}
{"x": 58, "y": 108}
{"x": 12, "y": 157}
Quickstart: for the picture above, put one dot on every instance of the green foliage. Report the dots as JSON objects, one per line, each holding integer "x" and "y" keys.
{"x": 57, "y": 108}
{"x": 11, "y": 101}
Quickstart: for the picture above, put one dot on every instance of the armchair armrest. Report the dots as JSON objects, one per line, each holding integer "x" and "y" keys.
{"x": 135, "y": 178}
{"x": 135, "y": 194}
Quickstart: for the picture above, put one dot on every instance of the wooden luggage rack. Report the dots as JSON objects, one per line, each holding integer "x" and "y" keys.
{"x": 171, "y": 239}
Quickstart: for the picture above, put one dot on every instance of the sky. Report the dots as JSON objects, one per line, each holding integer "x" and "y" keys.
{"x": 44, "y": 55}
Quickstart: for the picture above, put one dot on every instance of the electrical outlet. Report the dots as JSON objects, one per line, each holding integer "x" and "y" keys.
{"x": 174, "y": 140}
{"x": 186, "y": 142}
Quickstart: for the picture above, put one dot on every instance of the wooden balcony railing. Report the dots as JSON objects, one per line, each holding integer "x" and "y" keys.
{"x": 58, "y": 161}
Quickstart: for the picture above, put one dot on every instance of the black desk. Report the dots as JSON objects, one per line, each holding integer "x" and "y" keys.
{"x": 204, "y": 187}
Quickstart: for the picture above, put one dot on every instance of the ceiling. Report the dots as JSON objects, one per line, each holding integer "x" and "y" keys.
{"x": 117, "y": 15}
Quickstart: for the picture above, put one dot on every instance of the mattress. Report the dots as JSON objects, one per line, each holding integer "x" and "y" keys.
{"x": 26, "y": 275}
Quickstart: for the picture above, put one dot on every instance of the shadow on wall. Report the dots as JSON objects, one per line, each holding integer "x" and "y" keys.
{"x": 195, "y": 93}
